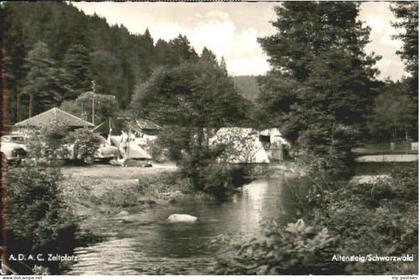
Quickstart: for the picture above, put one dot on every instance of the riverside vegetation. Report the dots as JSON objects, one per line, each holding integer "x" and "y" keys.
{"x": 40, "y": 219}
{"x": 320, "y": 92}
{"x": 339, "y": 219}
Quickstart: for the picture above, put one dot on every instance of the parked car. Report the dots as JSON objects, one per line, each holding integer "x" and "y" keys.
{"x": 13, "y": 147}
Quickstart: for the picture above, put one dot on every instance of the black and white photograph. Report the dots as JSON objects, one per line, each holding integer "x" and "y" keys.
{"x": 209, "y": 138}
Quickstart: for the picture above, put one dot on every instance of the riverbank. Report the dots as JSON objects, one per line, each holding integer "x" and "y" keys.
{"x": 145, "y": 242}
{"x": 98, "y": 193}
{"x": 357, "y": 218}
{"x": 124, "y": 211}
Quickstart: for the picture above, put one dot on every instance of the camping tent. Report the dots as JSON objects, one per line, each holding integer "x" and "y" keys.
{"x": 134, "y": 151}
{"x": 277, "y": 146}
{"x": 275, "y": 136}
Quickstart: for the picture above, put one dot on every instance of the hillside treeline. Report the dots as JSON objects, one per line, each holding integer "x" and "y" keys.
{"x": 54, "y": 52}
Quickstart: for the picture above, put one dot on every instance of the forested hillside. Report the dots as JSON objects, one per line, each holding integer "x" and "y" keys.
{"x": 247, "y": 86}
{"x": 54, "y": 51}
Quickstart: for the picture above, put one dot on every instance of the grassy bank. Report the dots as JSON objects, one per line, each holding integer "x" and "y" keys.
{"x": 95, "y": 195}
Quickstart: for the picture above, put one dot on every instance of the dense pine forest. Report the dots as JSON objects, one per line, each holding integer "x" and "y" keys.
{"x": 55, "y": 51}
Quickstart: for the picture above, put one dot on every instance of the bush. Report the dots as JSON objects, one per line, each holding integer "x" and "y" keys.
{"x": 39, "y": 222}
{"x": 56, "y": 143}
{"x": 85, "y": 142}
{"x": 222, "y": 180}
{"x": 49, "y": 145}
{"x": 295, "y": 249}
{"x": 378, "y": 219}
{"x": 158, "y": 151}
{"x": 199, "y": 161}
{"x": 325, "y": 149}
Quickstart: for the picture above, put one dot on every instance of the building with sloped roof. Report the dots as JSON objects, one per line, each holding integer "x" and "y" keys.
{"x": 144, "y": 126}
{"x": 54, "y": 116}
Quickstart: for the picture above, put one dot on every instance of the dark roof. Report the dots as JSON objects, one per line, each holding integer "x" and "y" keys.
{"x": 118, "y": 124}
{"x": 146, "y": 124}
{"x": 54, "y": 115}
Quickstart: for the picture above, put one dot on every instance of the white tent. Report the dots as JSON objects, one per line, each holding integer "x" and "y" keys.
{"x": 243, "y": 145}
{"x": 275, "y": 136}
{"x": 134, "y": 151}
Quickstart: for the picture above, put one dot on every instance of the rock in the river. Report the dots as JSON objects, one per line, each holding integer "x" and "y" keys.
{"x": 182, "y": 218}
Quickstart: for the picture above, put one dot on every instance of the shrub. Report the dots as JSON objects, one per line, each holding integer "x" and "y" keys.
{"x": 85, "y": 142}
{"x": 201, "y": 163}
{"x": 49, "y": 145}
{"x": 378, "y": 219}
{"x": 39, "y": 222}
{"x": 295, "y": 249}
{"x": 221, "y": 180}
{"x": 158, "y": 151}
{"x": 56, "y": 142}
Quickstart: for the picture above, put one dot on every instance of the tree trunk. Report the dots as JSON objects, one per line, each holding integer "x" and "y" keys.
{"x": 18, "y": 108}
{"x": 30, "y": 105}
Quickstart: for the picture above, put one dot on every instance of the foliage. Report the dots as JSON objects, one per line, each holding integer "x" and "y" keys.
{"x": 407, "y": 15}
{"x": 223, "y": 180}
{"x": 162, "y": 183}
{"x": 85, "y": 142}
{"x": 77, "y": 75}
{"x": 192, "y": 94}
{"x": 71, "y": 107}
{"x": 86, "y": 47}
{"x": 321, "y": 86}
{"x": 379, "y": 218}
{"x": 49, "y": 145}
{"x": 39, "y": 222}
{"x": 296, "y": 249}
{"x": 360, "y": 220}
{"x": 191, "y": 100}
{"x": 394, "y": 114}
{"x": 155, "y": 150}
{"x": 56, "y": 143}
{"x": 106, "y": 106}
{"x": 42, "y": 85}
{"x": 111, "y": 195}
{"x": 175, "y": 51}
{"x": 247, "y": 86}
{"x": 208, "y": 159}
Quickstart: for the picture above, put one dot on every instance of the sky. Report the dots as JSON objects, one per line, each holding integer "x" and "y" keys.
{"x": 231, "y": 29}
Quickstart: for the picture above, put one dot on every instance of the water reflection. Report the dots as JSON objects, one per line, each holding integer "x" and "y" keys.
{"x": 150, "y": 241}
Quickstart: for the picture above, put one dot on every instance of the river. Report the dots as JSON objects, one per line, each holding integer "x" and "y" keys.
{"x": 146, "y": 243}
